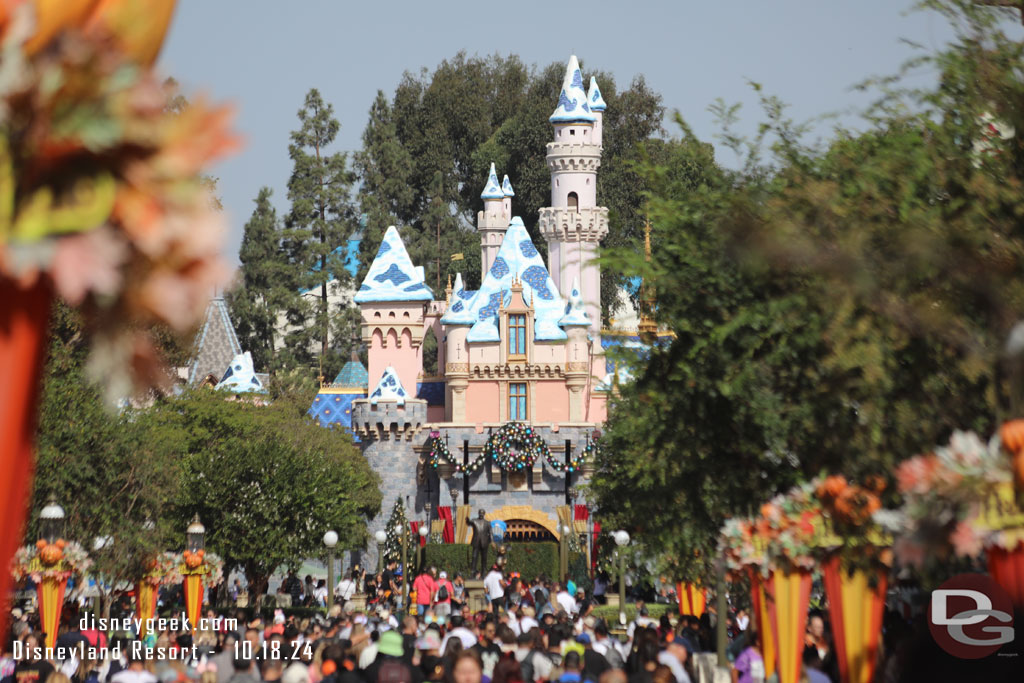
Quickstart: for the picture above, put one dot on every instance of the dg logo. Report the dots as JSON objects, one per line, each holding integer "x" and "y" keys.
{"x": 970, "y": 616}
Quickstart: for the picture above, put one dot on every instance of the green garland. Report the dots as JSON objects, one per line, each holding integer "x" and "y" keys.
{"x": 514, "y": 447}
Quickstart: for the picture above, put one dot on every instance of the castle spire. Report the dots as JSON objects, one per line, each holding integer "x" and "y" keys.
{"x": 572, "y": 101}
{"x": 594, "y": 98}
{"x": 506, "y": 187}
{"x": 492, "y": 190}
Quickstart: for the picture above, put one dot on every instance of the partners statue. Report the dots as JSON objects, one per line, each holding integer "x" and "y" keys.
{"x": 480, "y": 542}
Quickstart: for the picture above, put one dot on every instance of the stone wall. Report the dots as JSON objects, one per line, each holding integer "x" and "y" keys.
{"x": 401, "y": 458}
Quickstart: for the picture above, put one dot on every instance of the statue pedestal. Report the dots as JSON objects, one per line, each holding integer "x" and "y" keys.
{"x": 476, "y": 596}
{"x": 357, "y": 603}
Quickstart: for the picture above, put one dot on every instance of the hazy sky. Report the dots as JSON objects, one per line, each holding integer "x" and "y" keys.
{"x": 264, "y": 55}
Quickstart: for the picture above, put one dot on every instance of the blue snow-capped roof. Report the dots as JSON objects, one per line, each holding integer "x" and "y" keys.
{"x": 391, "y": 276}
{"x": 458, "y": 312}
{"x": 389, "y": 388}
{"x": 575, "y": 311}
{"x": 240, "y": 376}
{"x": 350, "y": 251}
{"x": 572, "y": 101}
{"x": 517, "y": 258}
{"x": 492, "y": 190}
{"x": 594, "y": 98}
{"x": 353, "y": 375}
{"x": 506, "y": 187}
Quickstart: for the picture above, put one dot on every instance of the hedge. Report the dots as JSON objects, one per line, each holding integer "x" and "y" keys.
{"x": 654, "y": 611}
{"x": 529, "y": 559}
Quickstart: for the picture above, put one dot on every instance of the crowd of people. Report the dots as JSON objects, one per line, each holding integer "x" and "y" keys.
{"x": 535, "y": 630}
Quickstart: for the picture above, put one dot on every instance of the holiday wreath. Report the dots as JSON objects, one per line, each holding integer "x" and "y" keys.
{"x": 515, "y": 446}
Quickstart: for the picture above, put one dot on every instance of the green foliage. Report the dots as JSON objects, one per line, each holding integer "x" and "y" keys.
{"x": 834, "y": 309}
{"x": 96, "y": 465}
{"x": 266, "y": 480}
{"x": 529, "y": 559}
{"x": 397, "y": 522}
{"x": 654, "y": 611}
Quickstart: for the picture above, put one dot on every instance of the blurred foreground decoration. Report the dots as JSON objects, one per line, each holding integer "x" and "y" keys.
{"x": 101, "y": 204}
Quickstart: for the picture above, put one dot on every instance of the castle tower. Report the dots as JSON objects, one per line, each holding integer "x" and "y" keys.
{"x": 574, "y": 225}
{"x": 577, "y": 366}
{"x": 458, "y": 318}
{"x": 393, "y": 301}
{"x": 492, "y": 222}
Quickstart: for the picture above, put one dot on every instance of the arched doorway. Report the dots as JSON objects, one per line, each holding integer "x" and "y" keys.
{"x": 525, "y": 531}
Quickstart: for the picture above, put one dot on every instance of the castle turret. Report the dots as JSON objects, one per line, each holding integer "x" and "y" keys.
{"x": 597, "y": 107}
{"x": 577, "y": 362}
{"x": 457, "y": 320}
{"x": 574, "y": 225}
{"x": 492, "y": 222}
{"x": 393, "y": 301}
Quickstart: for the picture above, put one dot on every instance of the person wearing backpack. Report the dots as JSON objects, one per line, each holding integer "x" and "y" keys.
{"x": 443, "y": 596}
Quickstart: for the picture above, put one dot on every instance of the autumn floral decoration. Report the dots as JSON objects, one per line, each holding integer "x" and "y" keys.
{"x": 945, "y": 494}
{"x": 58, "y": 560}
{"x": 102, "y": 201}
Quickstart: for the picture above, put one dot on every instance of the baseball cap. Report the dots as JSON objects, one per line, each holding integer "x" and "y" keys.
{"x": 390, "y": 643}
{"x": 583, "y": 638}
{"x": 444, "y": 575}
{"x": 685, "y": 642}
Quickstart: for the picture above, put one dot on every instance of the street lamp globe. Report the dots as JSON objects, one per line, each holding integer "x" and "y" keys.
{"x": 51, "y": 520}
{"x": 423, "y": 530}
{"x": 381, "y": 536}
{"x": 621, "y": 538}
{"x": 195, "y": 535}
{"x": 331, "y": 538}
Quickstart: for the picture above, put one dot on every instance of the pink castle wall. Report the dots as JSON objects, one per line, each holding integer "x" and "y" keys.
{"x": 550, "y": 402}
{"x": 482, "y": 402}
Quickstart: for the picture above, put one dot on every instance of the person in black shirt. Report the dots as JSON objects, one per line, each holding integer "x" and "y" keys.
{"x": 30, "y": 669}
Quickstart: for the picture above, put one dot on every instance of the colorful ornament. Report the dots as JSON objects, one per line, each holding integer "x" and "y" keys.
{"x": 513, "y": 447}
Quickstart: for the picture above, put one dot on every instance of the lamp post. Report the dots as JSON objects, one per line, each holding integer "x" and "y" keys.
{"x": 330, "y": 540}
{"x": 622, "y": 540}
{"x": 195, "y": 540}
{"x": 424, "y": 532}
{"x": 51, "y": 555}
{"x": 563, "y": 556}
{"x": 381, "y": 537}
{"x": 405, "y": 568}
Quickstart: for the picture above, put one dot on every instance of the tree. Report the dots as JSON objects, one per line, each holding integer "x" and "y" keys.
{"x": 397, "y": 522}
{"x": 262, "y": 291}
{"x": 115, "y": 495}
{"x": 835, "y": 309}
{"x": 321, "y": 217}
{"x": 267, "y": 481}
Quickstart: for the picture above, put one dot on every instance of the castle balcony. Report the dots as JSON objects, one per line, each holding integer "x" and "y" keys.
{"x": 573, "y": 156}
{"x": 388, "y": 420}
{"x": 566, "y": 224}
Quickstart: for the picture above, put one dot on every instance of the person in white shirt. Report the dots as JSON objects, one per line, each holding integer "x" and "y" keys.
{"x": 674, "y": 656}
{"x": 347, "y": 587}
{"x": 459, "y": 631}
{"x": 527, "y": 622}
{"x": 565, "y": 600}
{"x": 494, "y": 584}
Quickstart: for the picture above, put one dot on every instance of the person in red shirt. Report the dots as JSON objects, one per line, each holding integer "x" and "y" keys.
{"x": 424, "y": 586}
{"x": 443, "y": 599}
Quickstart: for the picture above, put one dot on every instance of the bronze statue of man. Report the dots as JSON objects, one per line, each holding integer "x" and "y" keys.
{"x": 480, "y": 542}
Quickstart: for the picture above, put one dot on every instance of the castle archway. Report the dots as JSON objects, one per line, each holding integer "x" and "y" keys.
{"x": 527, "y": 520}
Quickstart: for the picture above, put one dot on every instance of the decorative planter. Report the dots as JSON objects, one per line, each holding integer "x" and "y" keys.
{"x": 24, "y": 315}
{"x": 856, "y": 611}
{"x": 51, "y": 603}
{"x": 692, "y": 599}
{"x": 1007, "y": 569}
{"x": 765, "y": 629}
{"x": 145, "y": 604}
{"x": 788, "y": 596}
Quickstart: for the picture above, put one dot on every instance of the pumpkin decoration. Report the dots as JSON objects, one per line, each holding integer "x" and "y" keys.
{"x": 1012, "y": 435}
{"x": 192, "y": 560}
{"x": 51, "y": 554}
{"x": 40, "y": 544}
{"x": 61, "y": 543}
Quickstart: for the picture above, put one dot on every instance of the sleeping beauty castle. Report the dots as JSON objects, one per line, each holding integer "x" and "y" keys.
{"x": 509, "y": 424}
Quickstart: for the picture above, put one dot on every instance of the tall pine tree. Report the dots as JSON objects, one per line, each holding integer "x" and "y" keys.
{"x": 320, "y": 220}
{"x": 262, "y": 291}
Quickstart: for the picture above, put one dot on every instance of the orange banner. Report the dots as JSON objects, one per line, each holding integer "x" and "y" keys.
{"x": 692, "y": 599}
{"x": 145, "y": 604}
{"x": 856, "y": 618}
{"x": 51, "y": 603}
{"x": 193, "y": 599}
{"x": 789, "y": 594}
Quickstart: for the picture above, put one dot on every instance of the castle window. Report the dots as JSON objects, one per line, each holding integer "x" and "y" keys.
{"x": 573, "y": 201}
{"x": 517, "y": 401}
{"x": 517, "y": 335}
{"x": 572, "y": 131}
